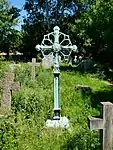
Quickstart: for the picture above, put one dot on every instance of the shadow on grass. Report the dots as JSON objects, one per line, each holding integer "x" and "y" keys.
{"x": 102, "y": 74}
{"x": 82, "y": 141}
{"x": 102, "y": 96}
{"x": 70, "y": 68}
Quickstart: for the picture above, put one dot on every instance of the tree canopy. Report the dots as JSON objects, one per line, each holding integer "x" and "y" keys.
{"x": 88, "y": 22}
{"x": 8, "y": 19}
{"x": 43, "y": 15}
{"x": 93, "y": 31}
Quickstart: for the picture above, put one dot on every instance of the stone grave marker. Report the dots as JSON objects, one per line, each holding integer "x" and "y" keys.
{"x": 88, "y": 64}
{"x": 105, "y": 125}
{"x": 8, "y": 85}
{"x": 33, "y": 65}
{"x": 48, "y": 61}
{"x": 83, "y": 88}
{"x": 13, "y": 66}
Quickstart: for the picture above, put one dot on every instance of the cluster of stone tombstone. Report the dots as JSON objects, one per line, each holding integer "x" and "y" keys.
{"x": 47, "y": 62}
{"x": 8, "y": 86}
{"x": 104, "y": 123}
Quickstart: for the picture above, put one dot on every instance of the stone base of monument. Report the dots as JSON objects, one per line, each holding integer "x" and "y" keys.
{"x": 63, "y": 122}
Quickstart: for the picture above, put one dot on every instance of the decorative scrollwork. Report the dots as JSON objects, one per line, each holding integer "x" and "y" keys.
{"x": 64, "y": 43}
{"x": 64, "y": 47}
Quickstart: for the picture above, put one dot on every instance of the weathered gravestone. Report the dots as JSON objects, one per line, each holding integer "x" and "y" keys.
{"x": 33, "y": 65}
{"x": 12, "y": 67}
{"x": 105, "y": 125}
{"x": 48, "y": 61}
{"x": 8, "y": 85}
{"x": 88, "y": 64}
{"x": 83, "y": 88}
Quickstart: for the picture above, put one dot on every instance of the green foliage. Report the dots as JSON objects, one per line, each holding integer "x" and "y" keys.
{"x": 93, "y": 32}
{"x": 4, "y": 67}
{"x": 2, "y": 58}
{"x": 42, "y": 16}
{"x": 8, "y": 19}
{"x": 16, "y": 41}
{"x": 23, "y": 74}
{"x": 33, "y": 104}
{"x": 39, "y": 59}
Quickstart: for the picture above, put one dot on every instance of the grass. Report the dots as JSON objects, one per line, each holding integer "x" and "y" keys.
{"x": 33, "y": 104}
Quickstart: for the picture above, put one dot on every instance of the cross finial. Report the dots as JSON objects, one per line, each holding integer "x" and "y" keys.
{"x": 56, "y": 28}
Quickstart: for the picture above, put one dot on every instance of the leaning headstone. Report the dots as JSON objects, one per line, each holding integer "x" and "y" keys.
{"x": 84, "y": 88}
{"x": 8, "y": 85}
{"x": 105, "y": 125}
{"x": 88, "y": 64}
{"x": 47, "y": 61}
{"x": 33, "y": 65}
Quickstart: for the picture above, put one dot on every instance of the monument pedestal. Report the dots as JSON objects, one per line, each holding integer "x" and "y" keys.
{"x": 63, "y": 122}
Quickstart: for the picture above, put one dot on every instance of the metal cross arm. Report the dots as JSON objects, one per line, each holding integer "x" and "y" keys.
{"x": 56, "y": 47}
{"x": 43, "y": 47}
{"x": 56, "y": 42}
{"x": 74, "y": 47}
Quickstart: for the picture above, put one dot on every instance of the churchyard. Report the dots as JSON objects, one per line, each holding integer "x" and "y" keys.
{"x": 24, "y": 127}
{"x": 56, "y": 75}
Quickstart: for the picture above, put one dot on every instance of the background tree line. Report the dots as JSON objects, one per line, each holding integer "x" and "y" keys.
{"x": 9, "y": 37}
{"x": 88, "y": 22}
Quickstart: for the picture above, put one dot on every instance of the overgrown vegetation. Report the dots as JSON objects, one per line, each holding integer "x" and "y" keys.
{"x": 89, "y": 24}
{"x": 33, "y": 104}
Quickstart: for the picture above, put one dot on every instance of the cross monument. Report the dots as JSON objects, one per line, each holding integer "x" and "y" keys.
{"x": 105, "y": 125}
{"x": 33, "y": 65}
{"x": 8, "y": 85}
{"x": 59, "y": 44}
